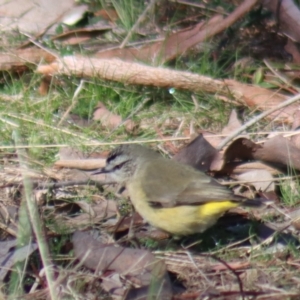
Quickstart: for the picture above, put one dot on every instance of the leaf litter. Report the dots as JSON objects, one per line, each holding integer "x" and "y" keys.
{"x": 263, "y": 265}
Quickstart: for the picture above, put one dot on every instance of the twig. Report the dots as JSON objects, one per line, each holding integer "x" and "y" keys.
{"x": 256, "y": 119}
{"x": 198, "y": 269}
{"x": 42, "y": 123}
{"x": 55, "y": 185}
{"x": 93, "y": 144}
{"x": 259, "y": 180}
{"x": 39, "y": 45}
{"x": 240, "y": 284}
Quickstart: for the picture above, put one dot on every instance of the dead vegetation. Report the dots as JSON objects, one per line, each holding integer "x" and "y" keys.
{"x": 147, "y": 77}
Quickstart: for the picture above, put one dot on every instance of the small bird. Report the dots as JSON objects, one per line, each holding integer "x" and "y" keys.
{"x": 168, "y": 194}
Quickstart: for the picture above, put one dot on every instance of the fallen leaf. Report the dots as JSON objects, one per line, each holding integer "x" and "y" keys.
{"x": 108, "y": 14}
{"x": 198, "y": 154}
{"x": 295, "y": 139}
{"x": 212, "y": 138}
{"x": 280, "y": 152}
{"x": 295, "y": 217}
{"x": 74, "y": 15}
{"x": 96, "y": 212}
{"x": 19, "y": 59}
{"x": 288, "y": 15}
{"x": 9, "y": 256}
{"x": 77, "y": 36}
{"x": 140, "y": 266}
{"x": 178, "y": 43}
{"x": 109, "y": 119}
{"x": 240, "y": 150}
{"x": 292, "y": 48}
{"x": 262, "y": 180}
{"x": 237, "y": 168}
{"x": 233, "y": 123}
{"x": 162, "y": 51}
{"x": 32, "y": 16}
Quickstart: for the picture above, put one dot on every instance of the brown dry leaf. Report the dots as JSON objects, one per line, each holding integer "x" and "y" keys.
{"x": 87, "y": 208}
{"x": 125, "y": 223}
{"x": 237, "y": 168}
{"x": 240, "y": 149}
{"x": 262, "y": 99}
{"x": 107, "y": 14}
{"x": 218, "y": 162}
{"x": 74, "y": 15}
{"x": 198, "y": 154}
{"x": 213, "y": 139}
{"x": 32, "y": 16}
{"x": 96, "y": 213}
{"x": 292, "y": 48}
{"x": 262, "y": 180}
{"x": 9, "y": 257}
{"x": 233, "y": 123}
{"x": 109, "y": 119}
{"x": 295, "y": 139}
{"x": 160, "y": 52}
{"x": 180, "y": 42}
{"x": 288, "y": 15}
{"x": 295, "y": 217}
{"x": 113, "y": 284}
{"x": 279, "y": 152}
{"x": 74, "y": 37}
{"x": 138, "y": 266}
{"x": 19, "y": 59}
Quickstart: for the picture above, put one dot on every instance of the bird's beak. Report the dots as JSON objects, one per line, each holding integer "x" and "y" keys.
{"x": 100, "y": 171}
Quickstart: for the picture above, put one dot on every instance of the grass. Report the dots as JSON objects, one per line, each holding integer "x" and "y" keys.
{"x": 36, "y": 119}
{"x": 290, "y": 192}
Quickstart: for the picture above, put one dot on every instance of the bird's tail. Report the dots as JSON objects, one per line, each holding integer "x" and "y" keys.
{"x": 253, "y": 202}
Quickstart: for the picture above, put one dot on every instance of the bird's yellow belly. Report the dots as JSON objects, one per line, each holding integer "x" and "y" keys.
{"x": 183, "y": 219}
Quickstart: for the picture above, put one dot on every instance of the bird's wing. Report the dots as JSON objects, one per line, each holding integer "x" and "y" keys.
{"x": 169, "y": 185}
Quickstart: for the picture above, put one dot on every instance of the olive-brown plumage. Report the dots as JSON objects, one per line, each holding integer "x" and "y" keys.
{"x": 168, "y": 194}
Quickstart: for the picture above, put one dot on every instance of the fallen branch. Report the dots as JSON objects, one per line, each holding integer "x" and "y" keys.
{"x": 135, "y": 73}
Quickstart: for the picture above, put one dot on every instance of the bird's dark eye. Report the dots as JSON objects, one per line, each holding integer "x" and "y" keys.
{"x": 119, "y": 166}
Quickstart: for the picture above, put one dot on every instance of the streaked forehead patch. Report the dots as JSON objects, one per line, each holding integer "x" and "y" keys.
{"x": 113, "y": 154}
{"x": 111, "y": 157}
